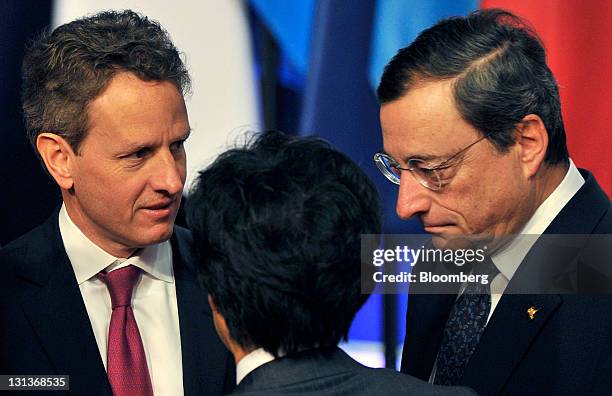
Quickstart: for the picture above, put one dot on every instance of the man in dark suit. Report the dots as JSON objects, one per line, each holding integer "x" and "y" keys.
{"x": 104, "y": 291}
{"x": 277, "y": 228}
{"x": 474, "y": 138}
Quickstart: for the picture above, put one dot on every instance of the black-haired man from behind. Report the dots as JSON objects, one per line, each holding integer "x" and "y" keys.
{"x": 277, "y": 228}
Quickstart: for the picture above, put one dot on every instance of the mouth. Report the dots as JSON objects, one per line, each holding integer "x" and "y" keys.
{"x": 436, "y": 228}
{"x": 160, "y": 209}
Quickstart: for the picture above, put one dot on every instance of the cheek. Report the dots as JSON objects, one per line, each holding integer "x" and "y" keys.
{"x": 474, "y": 207}
{"x": 94, "y": 185}
{"x": 483, "y": 198}
{"x": 113, "y": 192}
{"x": 500, "y": 194}
{"x": 182, "y": 169}
{"x": 132, "y": 192}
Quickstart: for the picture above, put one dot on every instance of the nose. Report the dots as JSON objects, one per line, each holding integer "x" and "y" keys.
{"x": 169, "y": 175}
{"x": 412, "y": 198}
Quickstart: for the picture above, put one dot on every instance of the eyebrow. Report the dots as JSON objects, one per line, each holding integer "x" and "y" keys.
{"x": 424, "y": 157}
{"x": 187, "y": 133}
{"x": 132, "y": 146}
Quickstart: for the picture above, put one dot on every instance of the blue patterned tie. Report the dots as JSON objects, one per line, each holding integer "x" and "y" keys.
{"x": 464, "y": 327}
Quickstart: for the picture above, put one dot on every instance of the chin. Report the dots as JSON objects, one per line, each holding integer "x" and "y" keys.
{"x": 454, "y": 241}
{"x": 446, "y": 241}
{"x": 156, "y": 234}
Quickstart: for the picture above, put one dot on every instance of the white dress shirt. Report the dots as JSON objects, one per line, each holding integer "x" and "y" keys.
{"x": 153, "y": 301}
{"x": 251, "y": 361}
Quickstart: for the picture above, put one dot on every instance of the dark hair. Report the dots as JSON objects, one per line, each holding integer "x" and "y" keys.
{"x": 63, "y": 71}
{"x": 277, "y": 228}
{"x": 498, "y": 64}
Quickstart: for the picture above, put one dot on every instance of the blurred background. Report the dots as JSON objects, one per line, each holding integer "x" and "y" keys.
{"x": 306, "y": 67}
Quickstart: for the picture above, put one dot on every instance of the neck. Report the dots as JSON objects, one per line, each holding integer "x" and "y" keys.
{"x": 236, "y": 349}
{"x": 239, "y": 353}
{"x": 547, "y": 181}
{"x": 78, "y": 218}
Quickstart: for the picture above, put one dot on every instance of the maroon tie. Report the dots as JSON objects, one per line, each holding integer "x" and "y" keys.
{"x": 126, "y": 363}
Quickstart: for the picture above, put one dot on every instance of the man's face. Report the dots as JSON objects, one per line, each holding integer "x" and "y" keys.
{"x": 129, "y": 173}
{"x": 487, "y": 192}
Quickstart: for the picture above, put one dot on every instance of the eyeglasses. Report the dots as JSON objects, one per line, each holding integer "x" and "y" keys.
{"x": 431, "y": 177}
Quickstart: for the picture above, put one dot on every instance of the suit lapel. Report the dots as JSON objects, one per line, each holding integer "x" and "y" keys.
{"x": 200, "y": 348}
{"x": 511, "y": 331}
{"x": 584, "y": 211}
{"x": 509, "y": 335}
{"x": 56, "y": 311}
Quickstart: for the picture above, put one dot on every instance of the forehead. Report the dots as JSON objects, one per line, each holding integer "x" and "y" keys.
{"x": 132, "y": 108}
{"x": 424, "y": 122}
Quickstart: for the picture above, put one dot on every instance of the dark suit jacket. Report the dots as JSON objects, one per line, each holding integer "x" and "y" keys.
{"x": 565, "y": 349}
{"x": 333, "y": 372}
{"x": 45, "y": 329}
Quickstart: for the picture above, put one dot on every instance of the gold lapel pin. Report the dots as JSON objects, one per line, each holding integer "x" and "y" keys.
{"x": 531, "y": 312}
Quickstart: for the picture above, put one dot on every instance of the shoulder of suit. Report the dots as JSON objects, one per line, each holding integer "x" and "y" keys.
{"x": 12, "y": 257}
{"x": 41, "y": 243}
{"x": 25, "y": 240}
{"x": 45, "y": 232}
{"x": 604, "y": 226}
{"x": 16, "y": 251}
{"x": 395, "y": 380}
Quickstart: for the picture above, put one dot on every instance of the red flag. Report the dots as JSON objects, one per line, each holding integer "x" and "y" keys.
{"x": 578, "y": 39}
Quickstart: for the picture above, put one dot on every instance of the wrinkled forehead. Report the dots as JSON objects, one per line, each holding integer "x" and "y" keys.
{"x": 424, "y": 123}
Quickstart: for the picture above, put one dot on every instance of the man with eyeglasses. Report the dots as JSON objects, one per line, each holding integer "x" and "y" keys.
{"x": 474, "y": 138}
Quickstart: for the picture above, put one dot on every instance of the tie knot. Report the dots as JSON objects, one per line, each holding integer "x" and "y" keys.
{"x": 486, "y": 267}
{"x": 120, "y": 284}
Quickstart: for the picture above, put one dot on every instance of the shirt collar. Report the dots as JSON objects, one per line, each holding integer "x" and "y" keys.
{"x": 508, "y": 259}
{"x": 88, "y": 259}
{"x": 251, "y": 361}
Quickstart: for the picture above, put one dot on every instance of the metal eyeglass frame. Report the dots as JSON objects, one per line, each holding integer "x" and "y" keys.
{"x": 386, "y": 165}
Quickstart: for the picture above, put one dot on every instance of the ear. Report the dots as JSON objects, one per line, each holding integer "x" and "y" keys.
{"x": 220, "y": 325}
{"x": 223, "y": 331}
{"x": 219, "y": 321}
{"x": 213, "y": 307}
{"x": 58, "y": 157}
{"x": 533, "y": 142}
